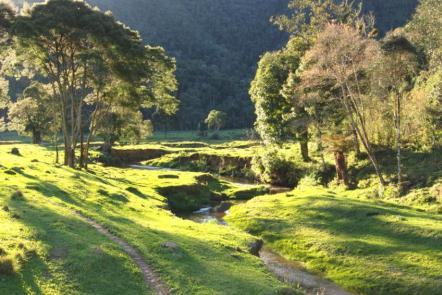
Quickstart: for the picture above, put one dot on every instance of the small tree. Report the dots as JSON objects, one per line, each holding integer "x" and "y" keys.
{"x": 123, "y": 125}
{"x": 31, "y": 113}
{"x": 339, "y": 144}
{"x": 216, "y": 120}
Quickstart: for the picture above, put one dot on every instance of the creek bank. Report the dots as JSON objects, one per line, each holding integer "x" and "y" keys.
{"x": 285, "y": 270}
{"x": 201, "y": 162}
{"x": 202, "y": 205}
{"x": 209, "y": 191}
{"x": 127, "y": 156}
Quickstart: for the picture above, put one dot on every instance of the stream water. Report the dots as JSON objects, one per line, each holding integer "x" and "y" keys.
{"x": 287, "y": 271}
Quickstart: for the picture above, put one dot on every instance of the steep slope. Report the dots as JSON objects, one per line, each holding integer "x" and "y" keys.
{"x": 218, "y": 44}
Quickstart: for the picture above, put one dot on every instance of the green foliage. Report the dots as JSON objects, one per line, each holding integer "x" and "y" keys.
{"x": 217, "y": 46}
{"x": 270, "y": 166}
{"x": 33, "y": 113}
{"x": 216, "y": 120}
{"x": 89, "y": 58}
{"x": 273, "y": 110}
{"x": 124, "y": 126}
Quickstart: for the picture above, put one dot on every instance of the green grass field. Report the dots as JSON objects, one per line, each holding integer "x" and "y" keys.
{"x": 367, "y": 247}
{"x": 366, "y": 243}
{"x": 53, "y": 252}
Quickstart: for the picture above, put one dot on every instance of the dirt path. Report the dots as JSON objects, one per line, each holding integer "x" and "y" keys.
{"x": 150, "y": 277}
{"x": 294, "y": 275}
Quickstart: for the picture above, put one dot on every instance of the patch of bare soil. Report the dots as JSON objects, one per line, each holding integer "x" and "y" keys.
{"x": 150, "y": 277}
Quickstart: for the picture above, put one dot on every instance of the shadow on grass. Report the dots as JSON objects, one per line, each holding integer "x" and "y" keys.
{"x": 75, "y": 261}
{"x": 380, "y": 235}
{"x": 421, "y": 168}
{"x": 198, "y": 265}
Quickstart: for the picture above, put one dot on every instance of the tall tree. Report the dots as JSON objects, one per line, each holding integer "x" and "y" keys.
{"x": 66, "y": 40}
{"x": 394, "y": 76}
{"x": 342, "y": 55}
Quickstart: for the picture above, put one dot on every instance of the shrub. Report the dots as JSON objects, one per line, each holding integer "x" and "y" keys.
{"x": 273, "y": 168}
{"x": 17, "y": 195}
{"x": 15, "y": 151}
{"x": 6, "y": 266}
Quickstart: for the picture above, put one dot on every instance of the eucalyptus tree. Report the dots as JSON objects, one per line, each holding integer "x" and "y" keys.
{"x": 393, "y": 77}
{"x": 424, "y": 31}
{"x": 343, "y": 56}
{"x": 7, "y": 19}
{"x": 113, "y": 98}
{"x": 274, "y": 91}
{"x": 81, "y": 50}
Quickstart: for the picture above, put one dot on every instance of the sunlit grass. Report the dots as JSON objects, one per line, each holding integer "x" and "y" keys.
{"x": 210, "y": 259}
{"x": 366, "y": 246}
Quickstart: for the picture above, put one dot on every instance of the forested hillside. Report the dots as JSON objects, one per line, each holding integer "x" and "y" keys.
{"x": 217, "y": 45}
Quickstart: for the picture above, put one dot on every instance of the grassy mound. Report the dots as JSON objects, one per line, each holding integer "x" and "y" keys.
{"x": 365, "y": 246}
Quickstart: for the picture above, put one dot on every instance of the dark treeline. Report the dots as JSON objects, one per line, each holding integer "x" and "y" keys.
{"x": 217, "y": 45}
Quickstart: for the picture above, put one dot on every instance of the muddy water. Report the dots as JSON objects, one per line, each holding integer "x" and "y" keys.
{"x": 287, "y": 271}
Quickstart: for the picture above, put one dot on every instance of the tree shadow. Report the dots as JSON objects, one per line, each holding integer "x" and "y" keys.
{"x": 217, "y": 268}
{"x": 379, "y": 234}
{"x": 77, "y": 258}
{"x": 421, "y": 168}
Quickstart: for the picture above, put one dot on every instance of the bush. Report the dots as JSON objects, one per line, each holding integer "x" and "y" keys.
{"x": 15, "y": 151}
{"x": 6, "y": 266}
{"x": 17, "y": 195}
{"x": 273, "y": 168}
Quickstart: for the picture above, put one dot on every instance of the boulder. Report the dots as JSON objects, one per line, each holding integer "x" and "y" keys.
{"x": 223, "y": 207}
{"x": 170, "y": 246}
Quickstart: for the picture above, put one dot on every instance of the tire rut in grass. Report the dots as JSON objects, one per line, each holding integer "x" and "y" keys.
{"x": 150, "y": 277}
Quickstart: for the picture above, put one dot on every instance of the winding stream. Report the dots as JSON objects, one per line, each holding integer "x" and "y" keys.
{"x": 287, "y": 271}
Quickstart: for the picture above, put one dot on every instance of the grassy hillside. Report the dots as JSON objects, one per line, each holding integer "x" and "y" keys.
{"x": 47, "y": 249}
{"x": 368, "y": 247}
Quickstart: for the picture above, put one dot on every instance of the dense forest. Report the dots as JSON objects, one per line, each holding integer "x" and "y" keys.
{"x": 217, "y": 45}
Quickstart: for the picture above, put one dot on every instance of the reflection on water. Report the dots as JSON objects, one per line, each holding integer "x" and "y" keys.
{"x": 206, "y": 217}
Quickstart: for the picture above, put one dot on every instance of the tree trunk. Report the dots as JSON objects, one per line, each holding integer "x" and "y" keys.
{"x": 356, "y": 140}
{"x": 352, "y": 112}
{"x": 321, "y": 146}
{"x": 304, "y": 151}
{"x": 341, "y": 168}
{"x": 88, "y": 143}
{"x": 57, "y": 153}
{"x": 107, "y": 147}
{"x": 70, "y": 153}
{"x": 303, "y": 142}
{"x": 82, "y": 155}
{"x": 66, "y": 156}
{"x": 36, "y": 136}
{"x": 398, "y": 144}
